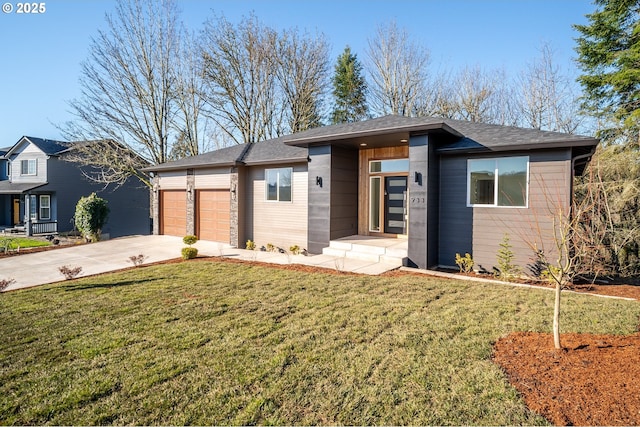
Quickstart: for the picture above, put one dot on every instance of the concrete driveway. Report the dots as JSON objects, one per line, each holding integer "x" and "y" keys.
{"x": 42, "y": 267}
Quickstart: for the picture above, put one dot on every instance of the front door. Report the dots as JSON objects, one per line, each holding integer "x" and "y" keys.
{"x": 395, "y": 206}
{"x": 16, "y": 211}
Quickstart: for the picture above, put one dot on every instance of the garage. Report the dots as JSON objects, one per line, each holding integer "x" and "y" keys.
{"x": 213, "y": 215}
{"x": 173, "y": 212}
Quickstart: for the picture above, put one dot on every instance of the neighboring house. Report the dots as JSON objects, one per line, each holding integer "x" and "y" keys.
{"x": 446, "y": 186}
{"x": 39, "y": 191}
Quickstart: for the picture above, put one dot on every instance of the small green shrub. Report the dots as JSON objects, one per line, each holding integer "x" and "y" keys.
{"x": 295, "y": 249}
{"x": 189, "y": 253}
{"x": 465, "y": 263}
{"x": 271, "y": 247}
{"x": 506, "y": 269}
{"x": 189, "y": 239}
{"x": 250, "y": 245}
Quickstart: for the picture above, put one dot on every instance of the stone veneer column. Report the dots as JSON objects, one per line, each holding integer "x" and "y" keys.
{"x": 234, "y": 223}
{"x": 191, "y": 202}
{"x": 155, "y": 204}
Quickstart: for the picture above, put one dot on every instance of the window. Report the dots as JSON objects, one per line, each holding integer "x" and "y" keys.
{"x": 498, "y": 182}
{"x": 45, "y": 207}
{"x": 28, "y": 167}
{"x": 278, "y": 184}
{"x": 33, "y": 212}
{"x": 392, "y": 165}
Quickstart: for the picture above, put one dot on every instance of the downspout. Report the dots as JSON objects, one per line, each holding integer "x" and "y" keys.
{"x": 573, "y": 165}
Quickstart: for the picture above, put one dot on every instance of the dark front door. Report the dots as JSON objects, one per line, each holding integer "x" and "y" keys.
{"x": 395, "y": 190}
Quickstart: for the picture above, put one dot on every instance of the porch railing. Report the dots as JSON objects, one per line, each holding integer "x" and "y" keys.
{"x": 44, "y": 227}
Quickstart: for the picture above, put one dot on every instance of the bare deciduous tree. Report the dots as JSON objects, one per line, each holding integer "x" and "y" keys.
{"x": 239, "y": 69}
{"x": 546, "y": 100}
{"x": 303, "y": 73}
{"x": 397, "y": 68}
{"x": 128, "y": 87}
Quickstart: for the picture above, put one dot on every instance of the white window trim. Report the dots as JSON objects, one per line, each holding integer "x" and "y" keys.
{"x": 48, "y": 206}
{"x": 266, "y": 186}
{"x": 35, "y": 167}
{"x": 495, "y": 189}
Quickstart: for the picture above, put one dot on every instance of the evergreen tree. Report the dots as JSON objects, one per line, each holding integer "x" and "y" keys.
{"x": 609, "y": 57}
{"x": 349, "y": 90}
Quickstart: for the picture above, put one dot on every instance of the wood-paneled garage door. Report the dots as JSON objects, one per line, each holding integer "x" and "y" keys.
{"x": 173, "y": 212}
{"x": 213, "y": 215}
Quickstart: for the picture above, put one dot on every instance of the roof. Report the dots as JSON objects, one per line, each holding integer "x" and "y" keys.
{"x": 265, "y": 152}
{"x": 47, "y": 146}
{"x": 7, "y": 187}
{"x": 464, "y": 135}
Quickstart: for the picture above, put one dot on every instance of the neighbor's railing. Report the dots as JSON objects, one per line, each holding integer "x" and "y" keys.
{"x": 44, "y": 227}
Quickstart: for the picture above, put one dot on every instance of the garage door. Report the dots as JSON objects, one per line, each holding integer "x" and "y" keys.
{"x": 213, "y": 215}
{"x": 173, "y": 212}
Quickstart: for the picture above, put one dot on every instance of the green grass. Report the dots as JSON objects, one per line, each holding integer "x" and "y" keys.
{"x": 217, "y": 343}
{"x": 22, "y": 242}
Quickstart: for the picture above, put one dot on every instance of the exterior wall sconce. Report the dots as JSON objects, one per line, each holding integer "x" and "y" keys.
{"x": 417, "y": 177}
{"x": 319, "y": 181}
{"x": 233, "y": 192}
{"x": 189, "y": 192}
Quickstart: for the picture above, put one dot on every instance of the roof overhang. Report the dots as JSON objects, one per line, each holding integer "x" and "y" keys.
{"x": 7, "y": 187}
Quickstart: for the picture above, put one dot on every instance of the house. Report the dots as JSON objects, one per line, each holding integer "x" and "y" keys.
{"x": 445, "y": 186}
{"x": 39, "y": 190}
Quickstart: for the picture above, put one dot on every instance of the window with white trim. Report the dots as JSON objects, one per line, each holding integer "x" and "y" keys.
{"x": 278, "y": 184}
{"x": 501, "y": 182}
{"x": 28, "y": 167}
{"x": 45, "y": 206}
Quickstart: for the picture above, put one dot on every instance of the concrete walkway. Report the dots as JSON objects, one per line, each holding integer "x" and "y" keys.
{"x": 42, "y": 267}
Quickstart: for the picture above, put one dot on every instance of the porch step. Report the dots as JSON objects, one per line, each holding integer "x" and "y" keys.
{"x": 372, "y": 249}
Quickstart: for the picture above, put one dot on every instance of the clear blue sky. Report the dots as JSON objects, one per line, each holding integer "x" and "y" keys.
{"x": 40, "y": 55}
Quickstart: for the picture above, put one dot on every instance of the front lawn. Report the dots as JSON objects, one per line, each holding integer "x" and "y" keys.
{"x": 21, "y": 242}
{"x": 220, "y": 343}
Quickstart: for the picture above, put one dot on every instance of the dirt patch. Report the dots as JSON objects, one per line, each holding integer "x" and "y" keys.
{"x": 592, "y": 381}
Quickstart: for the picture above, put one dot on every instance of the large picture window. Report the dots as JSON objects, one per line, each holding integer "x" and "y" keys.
{"x": 498, "y": 182}
{"x": 28, "y": 167}
{"x": 278, "y": 184}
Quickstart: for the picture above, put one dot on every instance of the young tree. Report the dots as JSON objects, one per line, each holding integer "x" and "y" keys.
{"x": 608, "y": 54}
{"x": 397, "y": 68}
{"x": 91, "y": 215}
{"x": 129, "y": 86}
{"x": 349, "y": 90}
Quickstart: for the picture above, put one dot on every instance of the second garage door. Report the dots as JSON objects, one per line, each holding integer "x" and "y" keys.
{"x": 213, "y": 215}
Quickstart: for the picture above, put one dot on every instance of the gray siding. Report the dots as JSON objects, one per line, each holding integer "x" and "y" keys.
{"x": 128, "y": 204}
{"x": 344, "y": 197}
{"x": 28, "y": 152}
{"x": 319, "y": 198}
{"x": 418, "y": 198}
{"x": 479, "y": 230}
{"x": 282, "y": 224}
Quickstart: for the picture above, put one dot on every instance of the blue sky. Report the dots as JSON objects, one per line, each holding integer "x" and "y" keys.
{"x": 40, "y": 55}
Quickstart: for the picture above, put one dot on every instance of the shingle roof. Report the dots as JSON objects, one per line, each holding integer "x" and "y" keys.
{"x": 265, "y": 152}
{"x": 48, "y": 146}
{"x": 469, "y": 135}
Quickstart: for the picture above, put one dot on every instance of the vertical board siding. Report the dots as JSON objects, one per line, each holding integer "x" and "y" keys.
{"x": 480, "y": 230}
{"x": 172, "y": 180}
{"x": 282, "y": 224}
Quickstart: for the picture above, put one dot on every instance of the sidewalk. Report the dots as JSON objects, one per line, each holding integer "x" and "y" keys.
{"x": 42, "y": 267}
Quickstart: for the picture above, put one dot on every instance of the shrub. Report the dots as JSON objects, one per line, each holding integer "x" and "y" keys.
{"x": 189, "y": 239}
{"x": 137, "y": 260}
{"x": 506, "y": 270}
{"x": 4, "y": 283}
{"x": 465, "y": 263}
{"x": 250, "y": 245}
{"x": 91, "y": 215}
{"x": 69, "y": 272}
{"x": 295, "y": 249}
{"x": 189, "y": 253}
{"x": 271, "y": 247}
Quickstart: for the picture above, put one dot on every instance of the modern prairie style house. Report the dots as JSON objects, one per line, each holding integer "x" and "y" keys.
{"x": 39, "y": 190}
{"x": 439, "y": 186}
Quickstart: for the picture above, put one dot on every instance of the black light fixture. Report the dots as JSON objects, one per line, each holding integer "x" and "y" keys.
{"x": 319, "y": 181}
{"x": 417, "y": 177}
